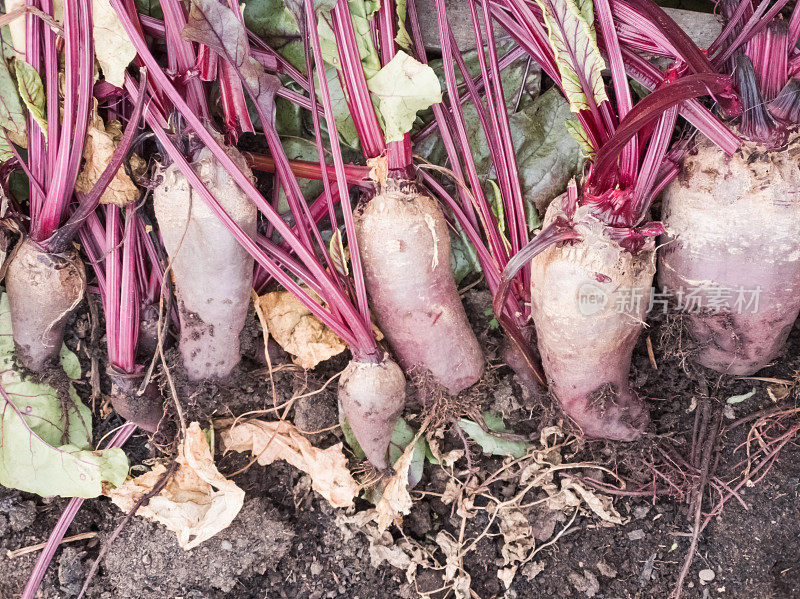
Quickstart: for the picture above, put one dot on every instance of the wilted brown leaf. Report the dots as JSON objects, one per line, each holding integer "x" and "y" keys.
{"x": 196, "y": 503}
{"x": 101, "y": 142}
{"x": 395, "y": 501}
{"x": 112, "y": 46}
{"x": 298, "y": 331}
{"x": 270, "y": 441}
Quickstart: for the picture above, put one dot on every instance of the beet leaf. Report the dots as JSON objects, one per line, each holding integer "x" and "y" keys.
{"x": 46, "y": 439}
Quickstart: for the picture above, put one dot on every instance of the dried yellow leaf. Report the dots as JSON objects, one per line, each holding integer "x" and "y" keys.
{"x": 396, "y": 501}
{"x": 298, "y": 331}
{"x": 281, "y": 440}
{"x": 196, "y": 503}
{"x": 112, "y": 46}
{"x": 101, "y": 141}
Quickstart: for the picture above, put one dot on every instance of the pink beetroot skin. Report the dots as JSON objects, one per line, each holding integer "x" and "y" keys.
{"x": 405, "y": 249}
{"x": 43, "y": 289}
{"x": 732, "y": 236}
{"x": 372, "y": 396}
{"x": 587, "y": 323}
{"x": 213, "y": 272}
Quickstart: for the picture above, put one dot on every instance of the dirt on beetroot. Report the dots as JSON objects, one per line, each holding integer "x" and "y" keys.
{"x": 288, "y": 542}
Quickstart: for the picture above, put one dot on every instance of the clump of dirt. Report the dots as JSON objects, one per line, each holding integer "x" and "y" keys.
{"x": 257, "y": 540}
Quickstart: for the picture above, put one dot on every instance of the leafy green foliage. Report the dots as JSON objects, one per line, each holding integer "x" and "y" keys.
{"x": 272, "y": 21}
{"x": 12, "y": 114}
{"x": 401, "y": 437}
{"x": 463, "y": 257}
{"x": 31, "y": 90}
{"x": 490, "y": 442}
{"x": 46, "y": 435}
{"x": 360, "y": 15}
{"x": 402, "y": 39}
{"x": 400, "y": 88}
{"x": 570, "y": 26}
{"x": 6, "y": 151}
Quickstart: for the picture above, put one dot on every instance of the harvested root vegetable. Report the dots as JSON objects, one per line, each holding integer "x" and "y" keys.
{"x": 405, "y": 248}
{"x": 372, "y": 395}
{"x": 587, "y": 324}
{"x": 732, "y": 243}
{"x": 43, "y": 289}
{"x": 146, "y": 409}
{"x": 213, "y": 272}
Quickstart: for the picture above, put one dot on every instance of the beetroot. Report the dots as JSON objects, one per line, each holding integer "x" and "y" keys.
{"x": 732, "y": 242}
{"x": 372, "y": 395}
{"x": 43, "y": 289}
{"x": 213, "y": 272}
{"x": 583, "y": 296}
{"x": 405, "y": 248}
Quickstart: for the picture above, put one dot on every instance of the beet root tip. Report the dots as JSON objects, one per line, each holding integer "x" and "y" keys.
{"x": 372, "y": 396}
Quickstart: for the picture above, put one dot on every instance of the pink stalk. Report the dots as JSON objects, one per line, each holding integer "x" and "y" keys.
{"x": 359, "y": 100}
{"x": 630, "y": 153}
{"x": 237, "y": 118}
{"x": 252, "y": 247}
{"x": 79, "y": 65}
{"x": 769, "y": 53}
{"x": 181, "y": 53}
{"x": 40, "y": 156}
{"x": 302, "y": 251}
{"x": 354, "y": 173}
{"x": 398, "y": 153}
{"x": 64, "y": 522}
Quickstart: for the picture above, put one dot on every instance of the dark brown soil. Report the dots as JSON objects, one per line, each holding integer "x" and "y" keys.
{"x": 287, "y": 542}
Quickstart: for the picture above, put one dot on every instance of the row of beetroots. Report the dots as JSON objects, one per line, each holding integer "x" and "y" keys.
{"x": 572, "y": 298}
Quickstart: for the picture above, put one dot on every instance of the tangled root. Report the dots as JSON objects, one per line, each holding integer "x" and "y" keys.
{"x": 443, "y": 408}
{"x": 675, "y": 342}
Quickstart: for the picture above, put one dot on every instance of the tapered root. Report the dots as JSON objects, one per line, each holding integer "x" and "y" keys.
{"x": 372, "y": 396}
{"x": 213, "y": 272}
{"x": 589, "y": 300}
{"x": 405, "y": 249}
{"x": 146, "y": 409}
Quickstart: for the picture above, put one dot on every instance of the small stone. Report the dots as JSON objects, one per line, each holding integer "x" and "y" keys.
{"x": 636, "y": 535}
{"x": 226, "y": 546}
{"x": 22, "y": 515}
{"x": 70, "y": 571}
{"x": 316, "y": 569}
{"x": 640, "y": 511}
{"x": 586, "y": 583}
{"x": 707, "y": 575}
{"x": 532, "y": 569}
{"x": 606, "y": 570}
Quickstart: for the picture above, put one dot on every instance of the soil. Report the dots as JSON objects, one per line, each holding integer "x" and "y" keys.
{"x": 287, "y": 542}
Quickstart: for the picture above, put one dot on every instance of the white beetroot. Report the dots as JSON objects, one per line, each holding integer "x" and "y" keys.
{"x": 405, "y": 250}
{"x": 732, "y": 242}
{"x": 43, "y": 290}
{"x": 587, "y": 323}
{"x": 372, "y": 395}
{"x": 213, "y": 274}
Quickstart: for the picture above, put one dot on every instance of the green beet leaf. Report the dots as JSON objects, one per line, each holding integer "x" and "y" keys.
{"x": 403, "y": 87}
{"x": 46, "y": 437}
